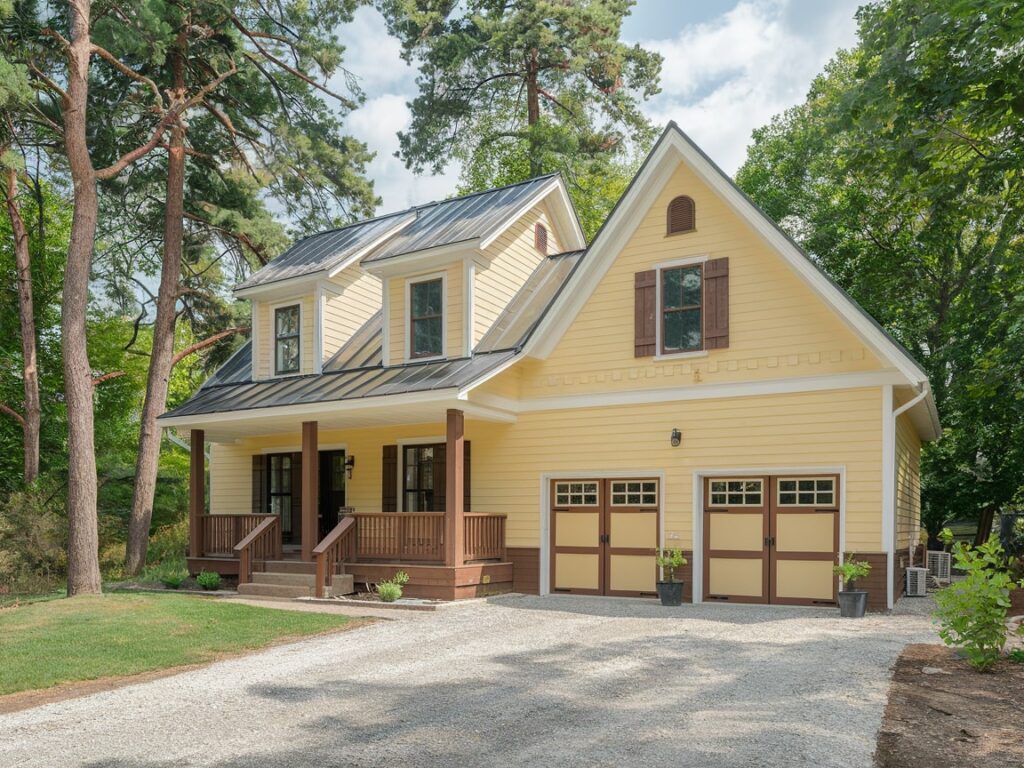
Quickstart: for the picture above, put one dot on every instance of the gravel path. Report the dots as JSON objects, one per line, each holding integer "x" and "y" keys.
{"x": 555, "y": 681}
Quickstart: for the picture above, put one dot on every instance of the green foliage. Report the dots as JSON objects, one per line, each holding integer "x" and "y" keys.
{"x": 517, "y": 90}
{"x": 972, "y": 612}
{"x": 900, "y": 175}
{"x": 850, "y": 570}
{"x": 390, "y": 590}
{"x": 173, "y": 580}
{"x": 945, "y": 537}
{"x": 32, "y": 539}
{"x": 1017, "y": 656}
{"x": 208, "y": 580}
{"x": 168, "y": 544}
{"x": 670, "y": 560}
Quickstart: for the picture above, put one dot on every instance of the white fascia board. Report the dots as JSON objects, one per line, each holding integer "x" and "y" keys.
{"x": 359, "y": 255}
{"x": 427, "y": 259}
{"x": 568, "y": 223}
{"x": 286, "y": 288}
{"x": 625, "y": 218}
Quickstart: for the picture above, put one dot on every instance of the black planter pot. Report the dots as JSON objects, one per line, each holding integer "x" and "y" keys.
{"x": 853, "y": 603}
{"x": 670, "y": 592}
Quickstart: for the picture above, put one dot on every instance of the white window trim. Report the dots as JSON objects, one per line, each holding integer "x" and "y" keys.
{"x": 319, "y": 313}
{"x": 699, "y": 475}
{"x": 688, "y": 261}
{"x": 744, "y": 480}
{"x": 385, "y": 322}
{"x": 468, "y": 308}
{"x": 407, "y": 327}
{"x": 295, "y": 302}
{"x": 254, "y": 338}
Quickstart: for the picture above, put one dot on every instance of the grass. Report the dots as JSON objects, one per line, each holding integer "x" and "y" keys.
{"x": 43, "y": 644}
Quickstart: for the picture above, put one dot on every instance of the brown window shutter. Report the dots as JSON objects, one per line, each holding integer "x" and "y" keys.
{"x": 645, "y": 307}
{"x": 259, "y": 484}
{"x": 540, "y": 238}
{"x": 682, "y": 215}
{"x": 296, "y": 487}
{"x": 465, "y": 478}
{"x": 389, "y": 480}
{"x": 716, "y": 304}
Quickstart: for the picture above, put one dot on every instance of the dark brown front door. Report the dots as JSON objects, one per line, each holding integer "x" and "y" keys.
{"x": 603, "y": 536}
{"x": 771, "y": 539}
{"x": 332, "y": 489}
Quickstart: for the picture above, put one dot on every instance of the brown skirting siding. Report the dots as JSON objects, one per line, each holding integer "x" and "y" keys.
{"x": 525, "y": 569}
{"x": 876, "y": 583}
{"x": 439, "y": 582}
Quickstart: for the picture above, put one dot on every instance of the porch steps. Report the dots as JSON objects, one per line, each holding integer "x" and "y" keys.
{"x": 276, "y": 584}
{"x": 289, "y": 566}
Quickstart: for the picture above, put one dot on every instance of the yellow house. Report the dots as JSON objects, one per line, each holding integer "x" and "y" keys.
{"x": 469, "y": 392}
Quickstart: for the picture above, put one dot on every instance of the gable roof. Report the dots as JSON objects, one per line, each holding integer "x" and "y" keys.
{"x": 472, "y": 218}
{"x": 622, "y": 222}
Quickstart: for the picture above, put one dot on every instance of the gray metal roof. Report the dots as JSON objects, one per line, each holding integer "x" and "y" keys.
{"x": 363, "y": 350}
{"x": 321, "y": 252}
{"x": 459, "y": 219}
{"x": 235, "y": 370}
{"x": 517, "y": 321}
{"x": 352, "y": 384}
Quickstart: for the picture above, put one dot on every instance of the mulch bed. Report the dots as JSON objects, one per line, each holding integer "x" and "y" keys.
{"x": 956, "y": 717}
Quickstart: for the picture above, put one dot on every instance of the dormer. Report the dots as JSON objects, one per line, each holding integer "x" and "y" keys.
{"x": 447, "y": 276}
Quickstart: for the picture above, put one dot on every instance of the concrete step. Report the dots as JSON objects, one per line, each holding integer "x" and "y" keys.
{"x": 343, "y": 584}
{"x": 275, "y": 590}
{"x": 289, "y": 566}
{"x": 290, "y": 579}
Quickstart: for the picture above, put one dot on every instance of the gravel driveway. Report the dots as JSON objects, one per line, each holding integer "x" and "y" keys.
{"x": 552, "y": 681}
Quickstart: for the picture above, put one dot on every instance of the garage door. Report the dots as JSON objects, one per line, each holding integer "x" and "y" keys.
{"x": 771, "y": 539}
{"x": 604, "y": 534}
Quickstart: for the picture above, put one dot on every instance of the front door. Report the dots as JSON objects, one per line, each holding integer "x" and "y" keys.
{"x": 332, "y": 490}
{"x": 771, "y": 539}
{"x": 603, "y": 536}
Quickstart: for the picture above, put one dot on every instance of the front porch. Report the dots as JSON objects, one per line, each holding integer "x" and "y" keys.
{"x": 448, "y": 554}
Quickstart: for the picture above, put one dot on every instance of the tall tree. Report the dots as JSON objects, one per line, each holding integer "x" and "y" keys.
{"x": 520, "y": 89}
{"x": 901, "y": 175}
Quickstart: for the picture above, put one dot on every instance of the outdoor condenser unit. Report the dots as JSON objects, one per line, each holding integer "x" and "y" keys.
{"x": 917, "y": 582}
{"x": 939, "y": 564}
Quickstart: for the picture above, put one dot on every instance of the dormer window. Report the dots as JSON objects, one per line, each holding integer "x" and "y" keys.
{"x": 682, "y": 216}
{"x": 540, "y": 238}
{"x": 287, "y": 321}
{"x": 426, "y": 318}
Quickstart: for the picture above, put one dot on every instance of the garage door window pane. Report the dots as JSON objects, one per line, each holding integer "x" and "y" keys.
{"x": 741, "y": 492}
{"x": 576, "y": 494}
{"x": 807, "y": 492}
{"x": 635, "y": 493}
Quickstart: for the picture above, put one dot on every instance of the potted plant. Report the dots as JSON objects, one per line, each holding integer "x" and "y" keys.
{"x": 669, "y": 590}
{"x": 852, "y": 601}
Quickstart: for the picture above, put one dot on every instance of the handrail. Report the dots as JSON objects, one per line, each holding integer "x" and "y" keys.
{"x": 222, "y": 531}
{"x": 338, "y": 546}
{"x": 263, "y": 543}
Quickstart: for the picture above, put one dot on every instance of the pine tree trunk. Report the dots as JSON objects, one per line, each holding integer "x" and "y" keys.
{"x": 161, "y": 360}
{"x": 26, "y": 315}
{"x": 83, "y": 534}
{"x": 533, "y": 112}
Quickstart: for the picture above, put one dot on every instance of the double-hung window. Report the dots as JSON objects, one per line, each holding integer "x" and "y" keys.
{"x": 286, "y": 339}
{"x": 426, "y": 324}
{"x": 681, "y": 309}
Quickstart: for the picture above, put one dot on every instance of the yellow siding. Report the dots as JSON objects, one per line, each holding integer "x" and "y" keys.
{"x": 263, "y": 321}
{"x": 908, "y": 483}
{"x": 836, "y": 428}
{"x": 351, "y": 298}
{"x": 778, "y": 327}
{"x": 511, "y": 259}
{"x": 454, "y": 307}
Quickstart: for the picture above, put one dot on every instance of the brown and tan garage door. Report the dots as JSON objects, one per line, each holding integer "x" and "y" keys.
{"x": 771, "y": 539}
{"x": 604, "y": 534}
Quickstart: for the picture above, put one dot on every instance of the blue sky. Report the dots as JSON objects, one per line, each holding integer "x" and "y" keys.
{"x": 730, "y": 65}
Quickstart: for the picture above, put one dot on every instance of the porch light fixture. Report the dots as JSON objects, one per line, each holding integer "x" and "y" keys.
{"x": 677, "y": 438}
{"x": 350, "y": 463}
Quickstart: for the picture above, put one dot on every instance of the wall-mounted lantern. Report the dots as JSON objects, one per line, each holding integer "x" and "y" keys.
{"x": 350, "y": 463}
{"x": 677, "y": 438}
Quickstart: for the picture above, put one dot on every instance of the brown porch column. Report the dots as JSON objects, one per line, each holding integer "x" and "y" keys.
{"x": 310, "y": 489}
{"x": 196, "y": 492}
{"x": 454, "y": 502}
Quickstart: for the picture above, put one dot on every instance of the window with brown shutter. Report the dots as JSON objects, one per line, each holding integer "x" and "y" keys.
{"x": 683, "y": 308}
{"x": 540, "y": 238}
{"x": 682, "y": 215}
{"x": 645, "y": 308}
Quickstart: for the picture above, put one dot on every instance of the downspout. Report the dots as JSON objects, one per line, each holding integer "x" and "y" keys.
{"x": 895, "y": 416}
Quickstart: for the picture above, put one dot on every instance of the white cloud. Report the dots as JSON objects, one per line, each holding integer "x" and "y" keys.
{"x": 724, "y": 78}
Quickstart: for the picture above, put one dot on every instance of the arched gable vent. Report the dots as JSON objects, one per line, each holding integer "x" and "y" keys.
{"x": 540, "y": 238}
{"x": 682, "y": 216}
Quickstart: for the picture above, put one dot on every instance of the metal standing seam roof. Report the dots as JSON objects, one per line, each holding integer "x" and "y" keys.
{"x": 321, "y": 252}
{"x": 356, "y": 370}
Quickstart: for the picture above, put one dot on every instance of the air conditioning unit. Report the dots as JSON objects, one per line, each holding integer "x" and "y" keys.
{"x": 939, "y": 564}
{"x": 917, "y": 582}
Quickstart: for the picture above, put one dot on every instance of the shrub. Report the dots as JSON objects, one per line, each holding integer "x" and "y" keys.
{"x": 670, "y": 560}
{"x": 168, "y": 544}
{"x": 945, "y": 538}
{"x": 391, "y": 589}
{"x": 851, "y": 570}
{"x": 972, "y": 612}
{"x": 32, "y": 538}
{"x": 172, "y": 580}
{"x": 208, "y": 580}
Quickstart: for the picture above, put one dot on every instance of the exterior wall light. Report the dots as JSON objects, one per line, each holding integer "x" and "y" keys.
{"x": 350, "y": 463}
{"x": 677, "y": 438}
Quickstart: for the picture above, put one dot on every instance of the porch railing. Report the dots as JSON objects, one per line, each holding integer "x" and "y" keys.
{"x": 263, "y": 543}
{"x": 338, "y": 546}
{"x": 484, "y": 537}
{"x": 400, "y": 536}
{"x": 222, "y": 532}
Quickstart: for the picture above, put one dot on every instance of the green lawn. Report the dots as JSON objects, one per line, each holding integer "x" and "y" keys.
{"x": 84, "y": 638}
